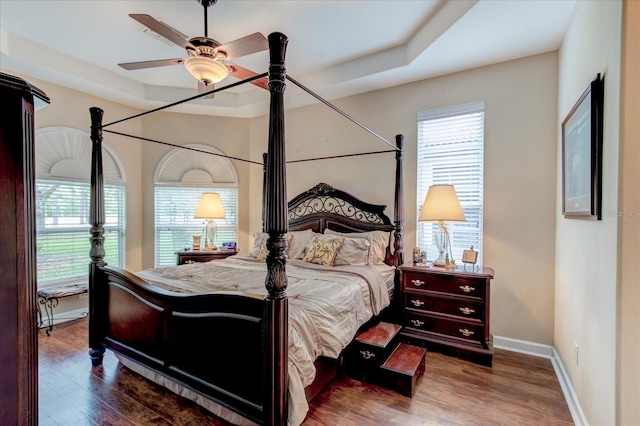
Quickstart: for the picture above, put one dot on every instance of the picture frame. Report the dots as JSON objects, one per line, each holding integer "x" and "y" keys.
{"x": 469, "y": 256}
{"x": 582, "y": 141}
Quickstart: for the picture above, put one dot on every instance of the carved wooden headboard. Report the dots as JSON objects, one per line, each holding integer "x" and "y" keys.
{"x": 325, "y": 207}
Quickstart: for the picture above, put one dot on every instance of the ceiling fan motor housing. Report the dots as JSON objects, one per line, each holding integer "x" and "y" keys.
{"x": 207, "y": 3}
{"x": 205, "y": 46}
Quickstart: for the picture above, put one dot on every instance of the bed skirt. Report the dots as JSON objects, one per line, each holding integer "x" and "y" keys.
{"x": 297, "y": 412}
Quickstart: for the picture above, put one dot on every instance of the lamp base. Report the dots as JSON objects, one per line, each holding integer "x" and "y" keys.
{"x": 443, "y": 261}
{"x": 210, "y": 236}
{"x": 444, "y": 247}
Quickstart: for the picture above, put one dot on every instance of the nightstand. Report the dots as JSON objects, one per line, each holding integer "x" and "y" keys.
{"x": 202, "y": 256}
{"x": 447, "y": 310}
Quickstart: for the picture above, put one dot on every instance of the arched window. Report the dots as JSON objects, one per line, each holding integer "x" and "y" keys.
{"x": 63, "y": 175}
{"x": 180, "y": 179}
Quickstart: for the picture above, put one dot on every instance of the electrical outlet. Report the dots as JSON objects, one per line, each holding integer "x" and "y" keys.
{"x": 576, "y": 351}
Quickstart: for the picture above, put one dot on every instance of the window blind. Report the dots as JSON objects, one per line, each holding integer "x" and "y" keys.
{"x": 63, "y": 225}
{"x": 451, "y": 151}
{"x": 175, "y": 225}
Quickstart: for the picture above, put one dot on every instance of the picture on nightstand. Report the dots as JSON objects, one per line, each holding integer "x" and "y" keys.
{"x": 469, "y": 256}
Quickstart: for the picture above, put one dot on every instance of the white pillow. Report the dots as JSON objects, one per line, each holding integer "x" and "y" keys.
{"x": 354, "y": 251}
{"x": 257, "y": 243}
{"x": 379, "y": 242}
{"x": 300, "y": 241}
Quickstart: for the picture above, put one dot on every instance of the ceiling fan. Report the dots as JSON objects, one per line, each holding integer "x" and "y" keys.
{"x": 206, "y": 56}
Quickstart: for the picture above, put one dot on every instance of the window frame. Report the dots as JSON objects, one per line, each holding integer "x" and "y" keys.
{"x": 462, "y": 174}
{"x": 62, "y": 155}
{"x": 180, "y": 170}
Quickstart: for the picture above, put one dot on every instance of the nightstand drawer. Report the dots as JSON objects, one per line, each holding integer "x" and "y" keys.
{"x": 459, "y": 308}
{"x": 443, "y": 284}
{"x": 451, "y": 328}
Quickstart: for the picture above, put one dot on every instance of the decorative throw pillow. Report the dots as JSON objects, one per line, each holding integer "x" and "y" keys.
{"x": 322, "y": 249}
{"x": 379, "y": 242}
{"x": 259, "y": 249}
{"x": 354, "y": 251}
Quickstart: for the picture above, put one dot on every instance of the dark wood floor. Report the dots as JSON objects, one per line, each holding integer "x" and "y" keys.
{"x": 518, "y": 390}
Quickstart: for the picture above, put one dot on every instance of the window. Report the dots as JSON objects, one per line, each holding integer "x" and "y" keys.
{"x": 175, "y": 225}
{"x": 451, "y": 151}
{"x": 181, "y": 177}
{"x": 62, "y": 207}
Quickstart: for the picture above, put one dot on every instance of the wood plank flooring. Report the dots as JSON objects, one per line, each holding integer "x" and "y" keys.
{"x": 518, "y": 390}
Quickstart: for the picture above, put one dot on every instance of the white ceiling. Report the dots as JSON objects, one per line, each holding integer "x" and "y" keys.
{"x": 336, "y": 47}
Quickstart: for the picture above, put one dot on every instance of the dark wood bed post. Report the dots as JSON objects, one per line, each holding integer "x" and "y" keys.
{"x": 276, "y": 224}
{"x": 264, "y": 188}
{"x": 398, "y": 213}
{"x": 96, "y": 321}
{"x": 398, "y": 244}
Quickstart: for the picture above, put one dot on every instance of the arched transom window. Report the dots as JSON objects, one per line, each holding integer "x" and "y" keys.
{"x": 180, "y": 179}
{"x": 63, "y": 175}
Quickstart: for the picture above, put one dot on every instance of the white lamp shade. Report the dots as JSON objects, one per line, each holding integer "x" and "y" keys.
{"x": 441, "y": 204}
{"x": 206, "y": 70}
{"x": 210, "y": 207}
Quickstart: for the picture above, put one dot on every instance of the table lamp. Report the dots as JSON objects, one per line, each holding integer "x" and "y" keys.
{"x": 441, "y": 204}
{"x": 210, "y": 207}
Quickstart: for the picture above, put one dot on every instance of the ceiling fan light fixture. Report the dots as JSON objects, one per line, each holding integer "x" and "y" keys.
{"x": 206, "y": 70}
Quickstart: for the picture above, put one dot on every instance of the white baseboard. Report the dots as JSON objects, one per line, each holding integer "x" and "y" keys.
{"x": 549, "y": 352}
{"x": 61, "y": 317}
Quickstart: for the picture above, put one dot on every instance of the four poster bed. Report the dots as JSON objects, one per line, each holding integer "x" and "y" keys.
{"x": 237, "y": 349}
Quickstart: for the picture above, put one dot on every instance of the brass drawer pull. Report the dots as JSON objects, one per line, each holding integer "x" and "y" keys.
{"x": 367, "y": 354}
{"x": 417, "y": 322}
{"x": 466, "y": 332}
{"x": 466, "y": 288}
{"x": 467, "y": 311}
{"x": 417, "y": 302}
{"x": 417, "y": 283}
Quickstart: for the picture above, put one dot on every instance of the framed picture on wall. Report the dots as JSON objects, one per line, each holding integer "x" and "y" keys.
{"x": 582, "y": 155}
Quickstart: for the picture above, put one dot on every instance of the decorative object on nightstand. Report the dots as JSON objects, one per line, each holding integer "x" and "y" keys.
{"x": 196, "y": 243}
{"x": 447, "y": 310}
{"x": 469, "y": 257}
{"x": 441, "y": 204}
{"x": 419, "y": 257}
{"x": 210, "y": 207}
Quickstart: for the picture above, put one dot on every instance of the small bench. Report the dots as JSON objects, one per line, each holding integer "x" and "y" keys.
{"x": 50, "y": 296}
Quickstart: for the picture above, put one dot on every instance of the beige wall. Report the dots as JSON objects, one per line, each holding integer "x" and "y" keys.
{"x": 628, "y": 345}
{"x": 69, "y": 108}
{"x": 520, "y": 173}
{"x": 586, "y": 251}
{"x": 229, "y": 135}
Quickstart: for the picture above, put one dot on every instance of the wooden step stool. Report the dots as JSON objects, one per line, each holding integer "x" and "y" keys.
{"x": 370, "y": 349}
{"x": 401, "y": 370}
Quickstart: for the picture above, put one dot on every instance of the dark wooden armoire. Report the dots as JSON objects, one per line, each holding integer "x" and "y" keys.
{"x": 18, "y": 318}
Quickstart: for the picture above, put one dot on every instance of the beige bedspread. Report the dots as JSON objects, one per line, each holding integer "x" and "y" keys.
{"x": 327, "y": 305}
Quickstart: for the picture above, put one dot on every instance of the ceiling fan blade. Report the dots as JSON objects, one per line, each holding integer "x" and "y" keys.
{"x": 150, "y": 64}
{"x": 163, "y": 29}
{"x": 242, "y": 73}
{"x": 253, "y": 43}
{"x": 202, "y": 88}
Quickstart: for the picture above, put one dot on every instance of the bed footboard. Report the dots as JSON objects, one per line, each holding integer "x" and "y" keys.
{"x": 211, "y": 343}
